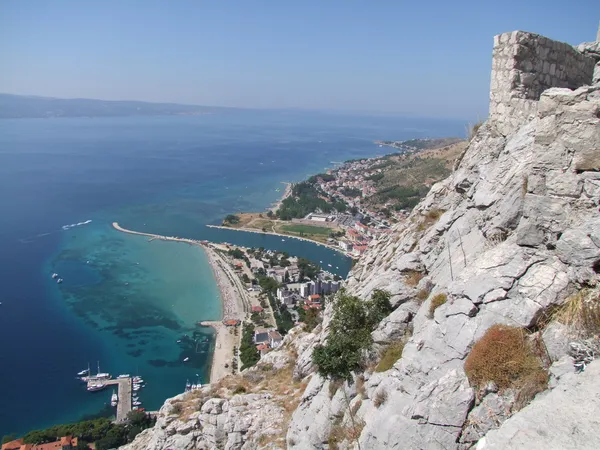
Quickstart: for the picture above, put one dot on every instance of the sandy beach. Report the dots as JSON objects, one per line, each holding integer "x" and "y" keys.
{"x": 234, "y": 303}
{"x": 286, "y": 193}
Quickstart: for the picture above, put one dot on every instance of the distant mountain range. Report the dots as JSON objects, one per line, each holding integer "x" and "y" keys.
{"x": 24, "y": 106}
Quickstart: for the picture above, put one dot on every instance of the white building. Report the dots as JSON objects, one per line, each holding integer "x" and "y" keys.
{"x": 344, "y": 245}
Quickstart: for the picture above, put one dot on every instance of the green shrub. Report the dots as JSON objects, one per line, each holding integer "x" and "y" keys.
{"x": 350, "y": 333}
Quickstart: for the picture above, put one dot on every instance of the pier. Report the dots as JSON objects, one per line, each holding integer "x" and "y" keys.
{"x": 124, "y": 393}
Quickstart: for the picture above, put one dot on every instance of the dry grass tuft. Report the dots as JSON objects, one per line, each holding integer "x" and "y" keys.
{"x": 334, "y": 385}
{"x": 524, "y": 185}
{"x": 423, "y": 294}
{"x": 337, "y": 434}
{"x": 392, "y": 354}
{"x": 503, "y": 355}
{"x": 355, "y": 407}
{"x": 413, "y": 277}
{"x": 176, "y": 408}
{"x": 437, "y": 301}
{"x": 360, "y": 386}
{"x": 581, "y": 312}
{"x": 353, "y": 432}
{"x": 430, "y": 217}
{"x": 380, "y": 398}
{"x": 473, "y": 129}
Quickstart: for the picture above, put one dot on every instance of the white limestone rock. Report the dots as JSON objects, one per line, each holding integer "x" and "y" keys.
{"x": 565, "y": 418}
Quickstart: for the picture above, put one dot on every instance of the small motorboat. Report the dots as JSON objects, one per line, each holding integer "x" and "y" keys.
{"x": 54, "y": 275}
{"x": 125, "y": 375}
{"x": 186, "y": 359}
{"x": 83, "y": 372}
{"x": 114, "y": 399}
{"x": 137, "y": 403}
{"x": 60, "y": 280}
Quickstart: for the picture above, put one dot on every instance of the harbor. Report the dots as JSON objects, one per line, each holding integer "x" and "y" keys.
{"x": 124, "y": 403}
{"x": 125, "y": 399}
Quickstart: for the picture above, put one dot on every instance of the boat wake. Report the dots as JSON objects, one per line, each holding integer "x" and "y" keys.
{"x": 30, "y": 239}
{"x": 73, "y": 225}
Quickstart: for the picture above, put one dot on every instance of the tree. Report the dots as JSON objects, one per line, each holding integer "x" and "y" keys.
{"x": 82, "y": 445}
{"x": 8, "y": 437}
{"x": 379, "y": 306}
{"x": 350, "y": 333}
{"x": 232, "y": 219}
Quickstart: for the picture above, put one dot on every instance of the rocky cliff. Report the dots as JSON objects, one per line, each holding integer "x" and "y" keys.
{"x": 512, "y": 237}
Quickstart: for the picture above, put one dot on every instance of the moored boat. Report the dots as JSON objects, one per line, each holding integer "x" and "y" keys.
{"x": 93, "y": 387}
{"x": 114, "y": 398}
{"x": 125, "y": 375}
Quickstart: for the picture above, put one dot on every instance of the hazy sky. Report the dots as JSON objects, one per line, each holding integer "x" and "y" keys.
{"x": 413, "y": 57}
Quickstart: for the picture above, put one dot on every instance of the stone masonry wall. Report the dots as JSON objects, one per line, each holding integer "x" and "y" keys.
{"x": 525, "y": 65}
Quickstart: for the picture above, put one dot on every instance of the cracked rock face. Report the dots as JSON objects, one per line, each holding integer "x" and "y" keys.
{"x": 235, "y": 423}
{"x": 520, "y": 233}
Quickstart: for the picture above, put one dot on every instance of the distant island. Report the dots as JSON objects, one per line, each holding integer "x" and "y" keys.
{"x": 24, "y": 106}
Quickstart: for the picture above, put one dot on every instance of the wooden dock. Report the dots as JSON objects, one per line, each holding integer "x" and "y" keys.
{"x": 124, "y": 393}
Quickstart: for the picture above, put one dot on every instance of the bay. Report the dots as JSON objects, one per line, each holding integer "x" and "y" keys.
{"x": 125, "y": 301}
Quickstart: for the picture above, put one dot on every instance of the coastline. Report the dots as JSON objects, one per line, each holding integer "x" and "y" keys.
{"x": 252, "y": 230}
{"x": 234, "y": 303}
{"x": 286, "y": 193}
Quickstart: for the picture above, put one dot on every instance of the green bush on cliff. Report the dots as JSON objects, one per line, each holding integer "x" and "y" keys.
{"x": 350, "y": 333}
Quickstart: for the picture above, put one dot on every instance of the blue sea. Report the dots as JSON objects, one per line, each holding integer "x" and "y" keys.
{"x": 125, "y": 301}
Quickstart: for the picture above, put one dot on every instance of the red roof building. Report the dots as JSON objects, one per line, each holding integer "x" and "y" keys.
{"x": 314, "y": 298}
{"x": 257, "y": 309}
{"x": 360, "y": 249}
{"x": 13, "y": 445}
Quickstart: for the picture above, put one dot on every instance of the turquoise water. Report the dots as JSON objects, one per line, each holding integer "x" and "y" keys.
{"x": 126, "y": 301}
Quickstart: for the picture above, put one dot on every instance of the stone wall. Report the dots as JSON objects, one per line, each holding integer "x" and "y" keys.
{"x": 525, "y": 65}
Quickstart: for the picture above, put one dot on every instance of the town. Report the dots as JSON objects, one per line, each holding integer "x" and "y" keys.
{"x": 348, "y": 206}
{"x": 282, "y": 292}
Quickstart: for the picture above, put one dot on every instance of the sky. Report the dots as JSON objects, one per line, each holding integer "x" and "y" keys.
{"x": 424, "y": 58}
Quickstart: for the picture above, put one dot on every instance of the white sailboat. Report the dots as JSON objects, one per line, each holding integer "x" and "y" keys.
{"x": 84, "y": 372}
